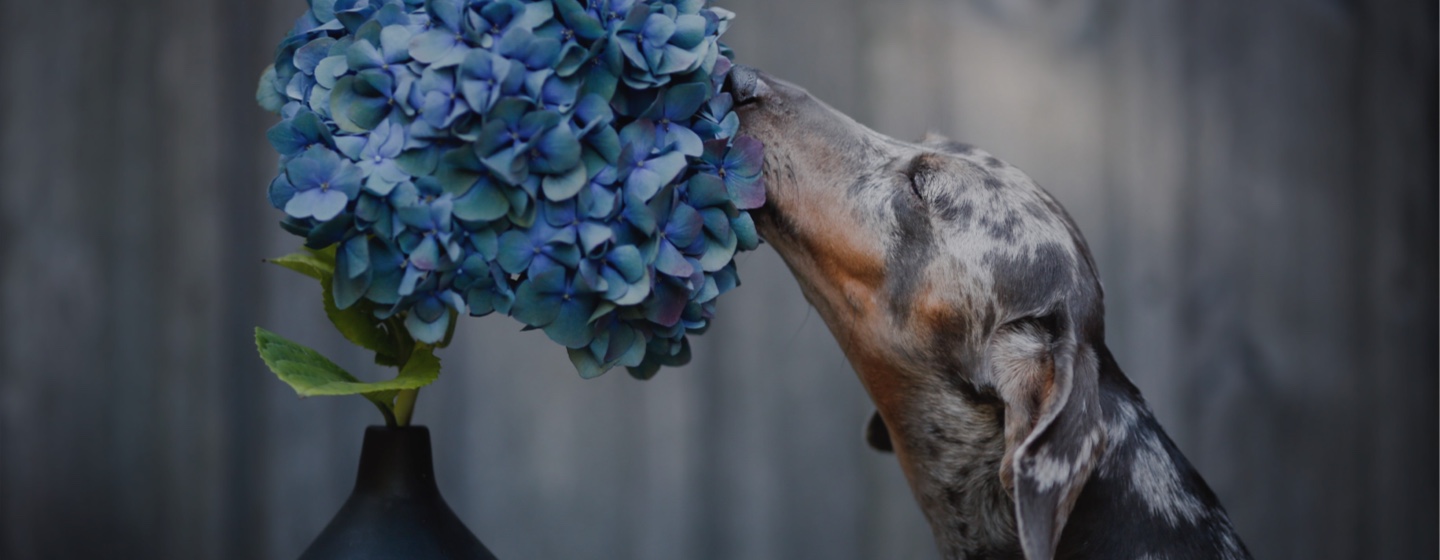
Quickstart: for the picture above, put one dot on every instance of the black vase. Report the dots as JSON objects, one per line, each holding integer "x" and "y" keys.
{"x": 396, "y": 510}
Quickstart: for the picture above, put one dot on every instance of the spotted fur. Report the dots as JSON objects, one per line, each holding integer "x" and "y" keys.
{"x": 970, "y": 307}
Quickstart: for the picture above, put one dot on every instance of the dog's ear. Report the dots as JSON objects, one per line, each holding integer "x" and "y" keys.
{"x": 877, "y": 434}
{"x": 1048, "y": 375}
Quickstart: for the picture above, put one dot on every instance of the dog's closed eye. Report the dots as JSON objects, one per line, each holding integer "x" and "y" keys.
{"x": 919, "y": 170}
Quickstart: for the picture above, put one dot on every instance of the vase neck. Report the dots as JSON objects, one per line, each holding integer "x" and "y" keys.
{"x": 396, "y": 462}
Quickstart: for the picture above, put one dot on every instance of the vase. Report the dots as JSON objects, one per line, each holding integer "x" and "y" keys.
{"x": 395, "y": 510}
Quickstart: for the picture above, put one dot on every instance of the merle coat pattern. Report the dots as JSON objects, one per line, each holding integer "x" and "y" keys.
{"x": 970, "y": 307}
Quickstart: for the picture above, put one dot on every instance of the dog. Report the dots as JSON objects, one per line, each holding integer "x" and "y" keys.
{"x": 969, "y": 305}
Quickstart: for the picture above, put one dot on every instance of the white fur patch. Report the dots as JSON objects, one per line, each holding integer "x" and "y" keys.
{"x": 1048, "y": 471}
{"x": 1157, "y": 482}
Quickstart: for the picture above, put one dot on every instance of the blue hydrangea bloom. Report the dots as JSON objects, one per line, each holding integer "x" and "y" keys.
{"x": 569, "y": 163}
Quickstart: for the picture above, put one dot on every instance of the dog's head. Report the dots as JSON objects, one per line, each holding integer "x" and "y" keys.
{"x": 949, "y": 278}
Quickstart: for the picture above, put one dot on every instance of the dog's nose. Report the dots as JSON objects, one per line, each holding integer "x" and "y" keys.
{"x": 744, "y": 84}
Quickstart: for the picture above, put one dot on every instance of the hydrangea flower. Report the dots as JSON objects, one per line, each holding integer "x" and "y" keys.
{"x": 569, "y": 163}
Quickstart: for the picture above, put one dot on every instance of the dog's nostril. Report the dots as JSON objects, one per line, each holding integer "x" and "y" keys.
{"x": 743, "y": 83}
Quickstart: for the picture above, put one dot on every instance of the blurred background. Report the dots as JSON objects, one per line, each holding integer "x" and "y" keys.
{"x": 1257, "y": 179}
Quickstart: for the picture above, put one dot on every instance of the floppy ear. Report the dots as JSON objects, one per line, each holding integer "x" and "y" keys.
{"x": 1048, "y": 376}
{"x": 877, "y": 434}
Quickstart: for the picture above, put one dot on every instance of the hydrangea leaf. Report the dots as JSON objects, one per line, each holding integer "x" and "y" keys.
{"x": 307, "y": 263}
{"x": 312, "y": 374}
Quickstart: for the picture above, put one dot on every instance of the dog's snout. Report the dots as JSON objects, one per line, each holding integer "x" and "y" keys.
{"x": 744, "y": 84}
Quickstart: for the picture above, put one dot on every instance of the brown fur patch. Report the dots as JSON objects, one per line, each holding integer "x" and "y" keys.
{"x": 840, "y": 258}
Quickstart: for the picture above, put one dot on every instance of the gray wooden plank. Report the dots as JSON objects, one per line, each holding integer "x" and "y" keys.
{"x": 1397, "y": 179}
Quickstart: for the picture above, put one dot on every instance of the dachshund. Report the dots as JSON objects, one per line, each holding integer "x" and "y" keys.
{"x": 968, "y": 304}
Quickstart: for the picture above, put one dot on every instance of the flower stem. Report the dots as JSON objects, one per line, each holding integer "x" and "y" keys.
{"x": 389, "y": 416}
{"x": 405, "y": 406}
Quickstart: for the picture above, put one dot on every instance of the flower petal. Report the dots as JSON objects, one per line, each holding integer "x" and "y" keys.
{"x": 670, "y": 261}
{"x": 320, "y": 204}
{"x": 566, "y": 186}
{"x": 745, "y": 233}
{"x": 484, "y": 202}
{"x": 684, "y": 225}
{"x": 683, "y": 100}
{"x": 434, "y": 46}
{"x": 571, "y": 326}
{"x": 516, "y": 252}
{"x": 428, "y": 332}
{"x": 533, "y": 307}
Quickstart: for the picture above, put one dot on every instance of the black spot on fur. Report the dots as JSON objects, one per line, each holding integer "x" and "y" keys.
{"x": 1032, "y": 281}
{"x": 1037, "y": 211}
{"x": 993, "y": 183}
{"x": 964, "y": 212}
{"x": 947, "y": 209}
{"x": 914, "y": 247}
{"x": 993, "y": 161}
{"x": 1003, "y": 230}
{"x": 944, "y": 206}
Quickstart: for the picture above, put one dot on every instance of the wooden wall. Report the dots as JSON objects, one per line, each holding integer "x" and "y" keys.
{"x": 1258, "y": 181}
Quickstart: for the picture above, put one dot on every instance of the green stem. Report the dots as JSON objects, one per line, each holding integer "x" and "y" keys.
{"x": 405, "y": 406}
{"x": 404, "y": 347}
{"x": 389, "y": 416}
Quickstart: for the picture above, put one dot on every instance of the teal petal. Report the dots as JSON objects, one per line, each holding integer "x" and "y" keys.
{"x": 266, "y": 94}
{"x": 718, "y": 254}
{"x": 565, "y": 186}
{"x": 744, "y": 227}
{"x": 533, "y": 307}
{"x": 670, "y": 261}
{"x": 593, "y": 236}
{"x": 571, "y": 326}
{"x": 706, "y": 190}
{"x": 689, "y": 31}
{"x": 682, "y": 101}
{"x": 585, "y": 363}
{"x": 484, "y": 202}
{"x": 559, "y": 152}
{"x": 436, "y": 46}
{"x": 428, "y": 332}
{"x": 516, "y": 252}
{"x": 683, "y": 140}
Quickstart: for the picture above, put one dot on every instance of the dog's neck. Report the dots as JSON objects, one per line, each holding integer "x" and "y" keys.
{"x": 950, "y": 443}
{"x": 951, "y": 447}
{"x": 1144, "y": 494}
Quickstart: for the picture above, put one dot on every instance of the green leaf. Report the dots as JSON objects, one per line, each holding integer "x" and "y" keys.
{"x": 359, "y": 325}
{"x": 309, "y": 264}
{"x": 326, "y": 255}
{"x": 422, "y": 369}
{"x": 311, "y": 374}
